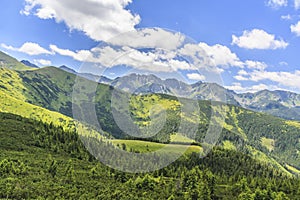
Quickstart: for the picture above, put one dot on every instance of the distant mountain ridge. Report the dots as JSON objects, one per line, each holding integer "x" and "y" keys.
{"x": 89, "y": 76}
{"x": 279, "y": 103}
{"x": 29, "y": 64}
{"x": 283, "y": 104}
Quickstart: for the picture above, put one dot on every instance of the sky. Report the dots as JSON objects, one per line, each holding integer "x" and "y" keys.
{"x": 246, "y": 46}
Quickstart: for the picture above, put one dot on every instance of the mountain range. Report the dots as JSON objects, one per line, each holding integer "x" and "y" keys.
{"x": 279, "y": 103}
{"x": 282, "y": 104}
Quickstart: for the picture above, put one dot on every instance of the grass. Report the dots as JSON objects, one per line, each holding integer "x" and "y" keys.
{"x": 144, "y": 147}
{"x": 236, "y": 123}
{"x": 179, "y": 138}
{"x": 293, "y": 123}
{"x": 268, "y": 143}
{"x": 12, "y": 105}
{"x": 144, "y": 105}
{"x": 228, "y": 145}
{"x": 292, "y": 169}
{"x": 11, "y": 83}
{"x": 12, "y": 63}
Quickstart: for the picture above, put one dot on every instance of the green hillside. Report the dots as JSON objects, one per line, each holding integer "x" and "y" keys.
{"x": 42, "y": 161}
{"x": 9, "y": 104}
{"x": 52, "y": 89}
{"x": 11, "y": 63}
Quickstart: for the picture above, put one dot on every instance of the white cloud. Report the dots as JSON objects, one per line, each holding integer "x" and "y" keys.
{"x": 221, "y": 55}
{"x": 296, "y": 28}
{"x": 255, "y": 65}
{"x": 197, "y": 54}
{"x": 42, "y": 62}
{"x": 127, "y": 49}
{"x": 166, "y": 51}
{"x": 149, "y": 38}
{"x": 237, "y": 87}
{"x": 277, "y": 3}
{"x": 8, "y": 47}
{"x": 297, "y": 4}
{"x": 188, "y": 56}
{"x": 29, "y": 48}
{"x": 242, "y": 75}
{"x": 241, "y": 78}
{"x": 196, "y": 76}
{"x": 210, "y": 58}
{"x": 242, "y": 72}
{"x": 98, "y": 19}
{"x": 109, "y": 57}
{"x": 258, "y": 39}
{"x": 286, "y": 17}
{"x": 258, "y": 73}
{"x": 288, "y": 79}
{"x": 81, "y": 55}
{"x": 259, "y": 87}
{"x": 282, "y": 63}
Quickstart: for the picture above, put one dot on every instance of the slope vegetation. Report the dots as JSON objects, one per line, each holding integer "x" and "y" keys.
{"x": 52, "y": 88}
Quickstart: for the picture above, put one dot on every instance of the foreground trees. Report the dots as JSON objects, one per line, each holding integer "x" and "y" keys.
{"x": 43, "y": 161}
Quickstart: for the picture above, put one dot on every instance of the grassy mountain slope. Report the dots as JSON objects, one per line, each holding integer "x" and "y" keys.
{"x": 11, "y": 63}
{"x": 52, "y": 88}
{"x": 9, "y": 104}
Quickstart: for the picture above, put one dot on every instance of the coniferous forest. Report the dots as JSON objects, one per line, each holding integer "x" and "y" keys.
{"x": 46, "y": 162}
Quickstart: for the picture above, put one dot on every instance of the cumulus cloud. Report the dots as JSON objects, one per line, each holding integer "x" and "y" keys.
{"x": 159, "y": 50}
{"x": 277, "y": 3}
{"x": 196, "y": 77}
{"x": 239, "y": 88}
{"x": 257, "y": 72}
{"x": 29, "y": 48}
{"x": 255, "y": 65}
{"x": 297, "y": 4}
{"x": 81, "y": 55}
{"x": 98, "y": 19}
{"x": 286, "y": 17}
{"x": 241, "y": 78}
{"x": 242, "y": 72}
{"x": 295, "y": 28}
{"x": 108, "y": 56}
{"x": 258, "y": 39}
{"x": 282, "y": 63}
{"x": 42, "y": 62}
{"x": 196, "y": 54}
{"x": 149, "y": 38}
{"x": 221, "y": 55}
{"x": 283, "y": 78}
{"x": 214, "y": 58}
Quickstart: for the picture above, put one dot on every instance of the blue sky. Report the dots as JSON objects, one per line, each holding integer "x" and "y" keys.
{"x": 250, "y": 45}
